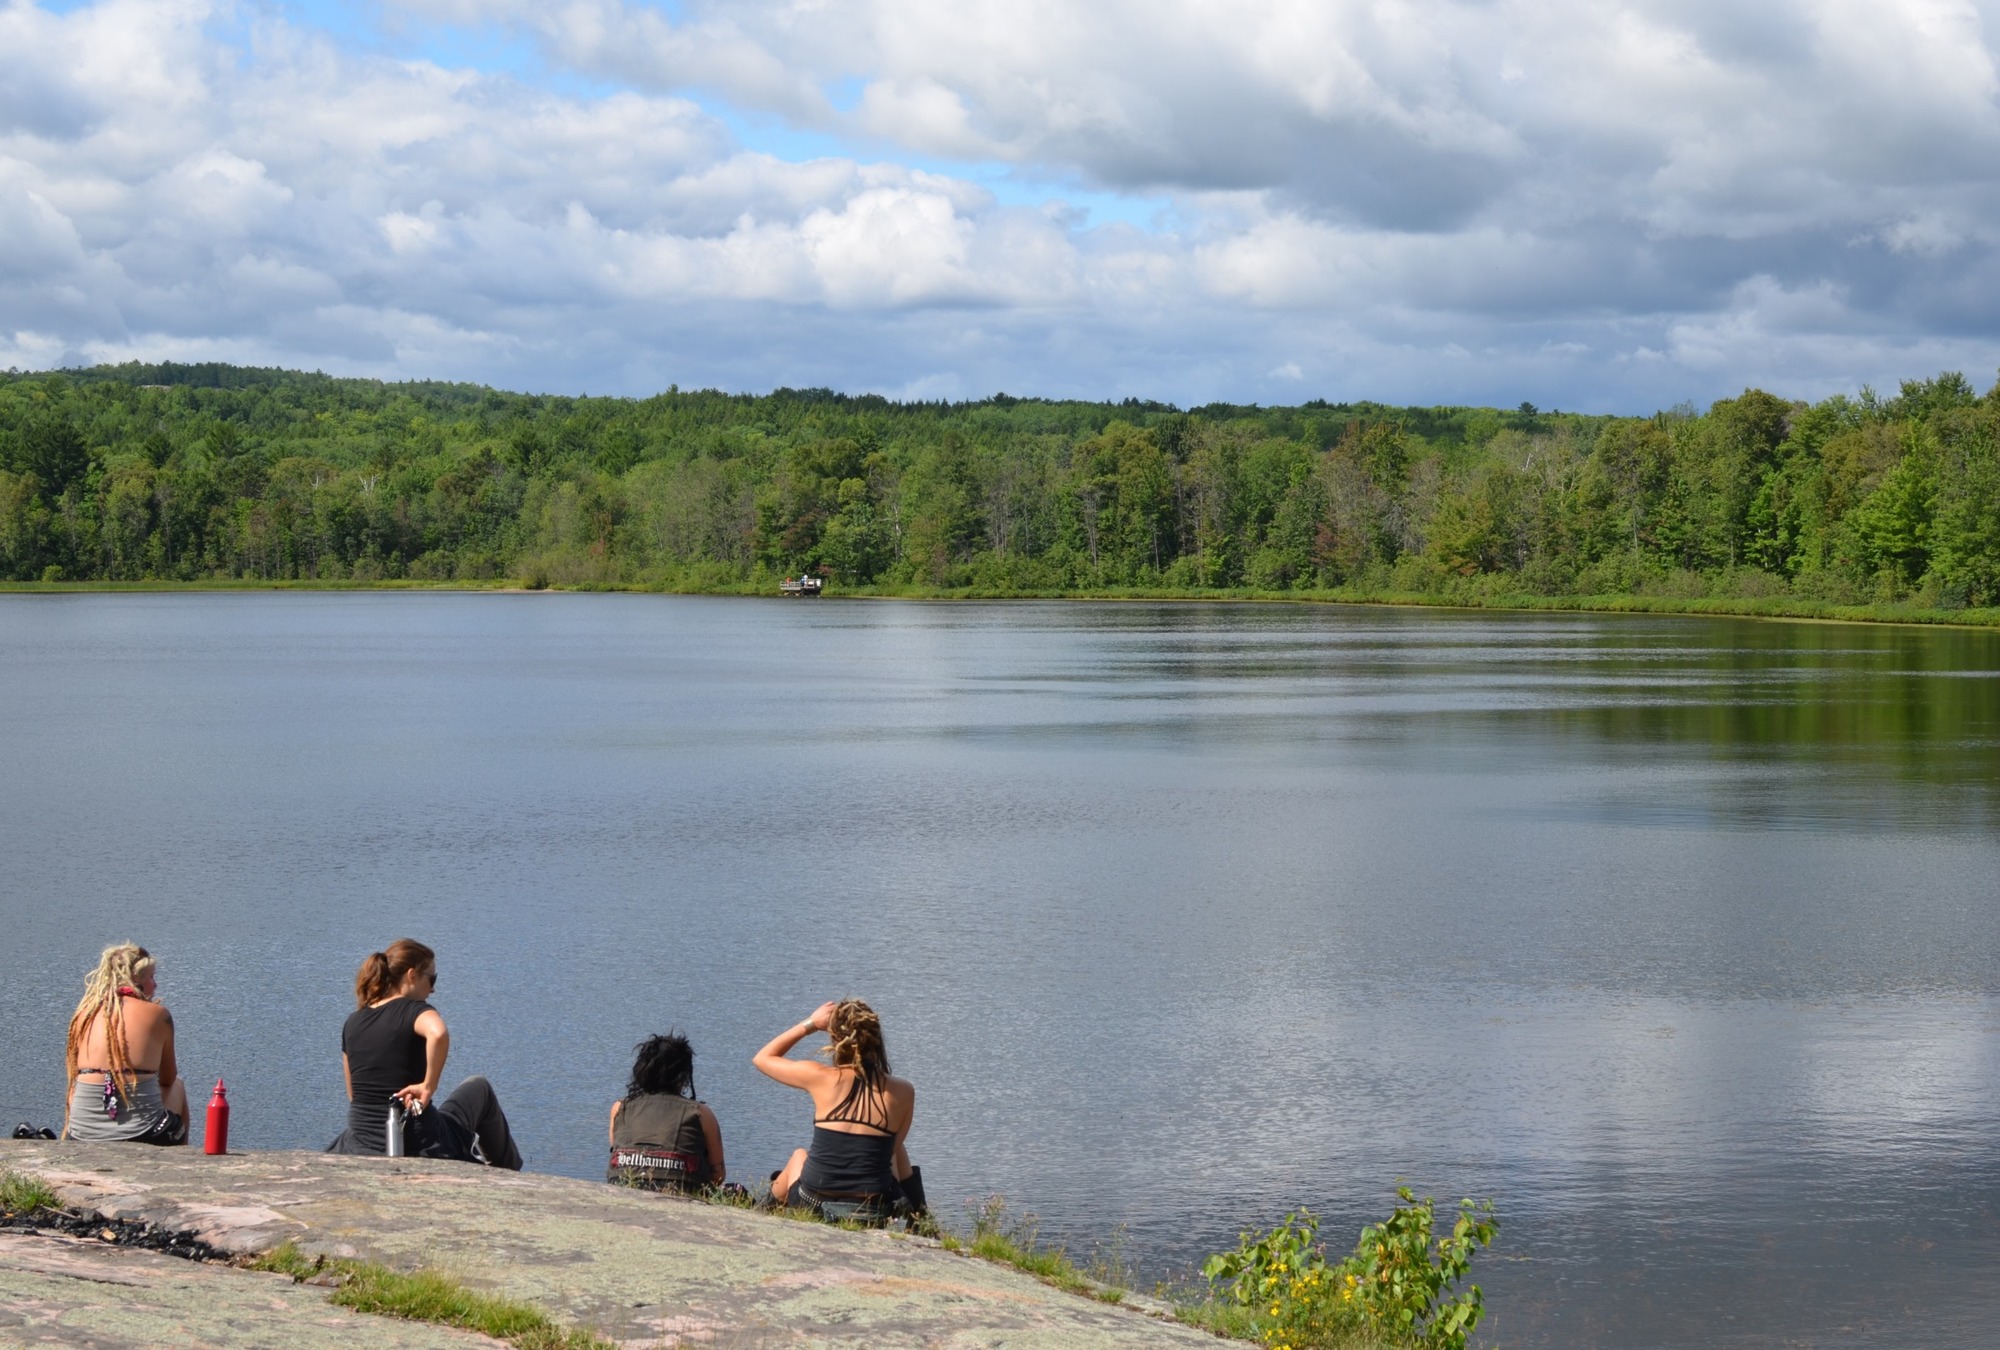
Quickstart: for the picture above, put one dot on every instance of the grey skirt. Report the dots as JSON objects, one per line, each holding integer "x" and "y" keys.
{"x": 142, "y": 1116}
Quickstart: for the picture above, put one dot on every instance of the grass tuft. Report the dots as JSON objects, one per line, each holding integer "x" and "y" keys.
{"x": 1227, "y": 1320}
{"x": 25, "y": 1193}
{"x": 430, "y": 1296}
{"x": 287, "y": 1259}
{"x": 1013, "y": 1240}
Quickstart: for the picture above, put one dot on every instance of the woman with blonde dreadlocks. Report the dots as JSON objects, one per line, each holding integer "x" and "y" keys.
{"x": 124, "y": 1084}
{"x": 861, "y": 1117}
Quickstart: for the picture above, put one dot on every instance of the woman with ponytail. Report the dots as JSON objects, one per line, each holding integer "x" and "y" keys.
{"x": 861, "y": 1117}
{"x": 393, "y": 1048}
{"x": 119, "y": 1057}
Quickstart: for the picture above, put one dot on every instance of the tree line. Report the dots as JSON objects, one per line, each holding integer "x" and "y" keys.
{"x": 198, "y": 472}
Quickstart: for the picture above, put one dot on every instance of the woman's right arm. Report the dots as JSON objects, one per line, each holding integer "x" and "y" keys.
{"x": 798, "y": 1073}
{"x": 614, "y": 1119}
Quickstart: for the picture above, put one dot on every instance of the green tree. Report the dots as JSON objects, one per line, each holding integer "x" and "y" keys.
{"x": 53, "y": 450}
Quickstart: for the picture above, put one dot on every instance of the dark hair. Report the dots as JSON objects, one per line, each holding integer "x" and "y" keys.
{"x": 662, "y": 1064}
{"x": 381, "y": 975}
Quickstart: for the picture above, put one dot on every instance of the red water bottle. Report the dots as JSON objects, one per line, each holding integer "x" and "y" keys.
{"x": 216, "y": 1138}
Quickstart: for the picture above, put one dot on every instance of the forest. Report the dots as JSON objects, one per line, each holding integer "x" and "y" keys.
{"x": 213, "y": 473}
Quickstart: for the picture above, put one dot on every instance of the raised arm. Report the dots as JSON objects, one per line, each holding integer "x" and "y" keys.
{"x": 771, "y": 1061}
{"x": 437, "y": 1044}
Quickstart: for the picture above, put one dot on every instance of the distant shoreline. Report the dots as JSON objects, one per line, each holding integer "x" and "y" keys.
{"x": 1778, "y": 608}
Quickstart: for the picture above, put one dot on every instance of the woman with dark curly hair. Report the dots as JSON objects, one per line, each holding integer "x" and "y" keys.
{"x": 662, "y": 1138}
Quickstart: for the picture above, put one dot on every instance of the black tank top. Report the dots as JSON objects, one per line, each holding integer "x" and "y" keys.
{"x": 384, "y": 1055}
{"x": 665, "y": 1122}
{"x": 843, "y": 1164}
{"x": 840, "y": 1165}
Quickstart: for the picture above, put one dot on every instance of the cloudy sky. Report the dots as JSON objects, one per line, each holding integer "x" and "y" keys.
{"x": 1598, "y": 204}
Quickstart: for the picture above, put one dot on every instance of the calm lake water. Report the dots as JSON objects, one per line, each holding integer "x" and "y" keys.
{"x": 1677, "y": 937}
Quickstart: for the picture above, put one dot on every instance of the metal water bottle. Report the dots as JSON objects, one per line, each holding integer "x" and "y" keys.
{"x": 215, "y": 1139}
{"x": 395, "y": 1128}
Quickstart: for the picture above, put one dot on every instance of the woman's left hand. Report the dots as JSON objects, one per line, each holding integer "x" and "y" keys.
{"x": 822, "y": 1018}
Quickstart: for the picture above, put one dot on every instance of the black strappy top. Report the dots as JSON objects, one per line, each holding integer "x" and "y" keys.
{"x": 841, "y": 1164}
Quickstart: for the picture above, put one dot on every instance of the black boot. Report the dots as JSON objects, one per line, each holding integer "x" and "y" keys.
{"x": 913, "y": 1193}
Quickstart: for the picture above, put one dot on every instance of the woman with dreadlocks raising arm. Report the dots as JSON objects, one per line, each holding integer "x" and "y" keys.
{"x": 861, "y": 1117}
{"x": 119, "y": 1058}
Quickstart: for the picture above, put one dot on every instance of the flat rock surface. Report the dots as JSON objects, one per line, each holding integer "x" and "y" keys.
{"x": 73, "y": 1292}
{"x": 643, "y": 1269}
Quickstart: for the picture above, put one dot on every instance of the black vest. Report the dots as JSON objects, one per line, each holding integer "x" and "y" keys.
{"x": 658, "y": 1143}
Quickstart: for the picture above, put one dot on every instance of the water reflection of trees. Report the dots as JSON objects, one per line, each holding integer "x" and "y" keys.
{"x": 1799, "y": 724}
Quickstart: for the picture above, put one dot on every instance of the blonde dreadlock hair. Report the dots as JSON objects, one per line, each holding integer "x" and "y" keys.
{"x": 854, "y": 1036}
{"x": 119, "y": 966}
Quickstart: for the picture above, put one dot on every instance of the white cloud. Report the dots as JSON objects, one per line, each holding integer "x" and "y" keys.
{"x": 1685, "y": 112}
{"x": 1613, "y": 205}
{"x": 1929, "y": 234}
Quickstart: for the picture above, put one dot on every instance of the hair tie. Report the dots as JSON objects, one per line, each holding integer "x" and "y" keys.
{"x": 129, "y": 992}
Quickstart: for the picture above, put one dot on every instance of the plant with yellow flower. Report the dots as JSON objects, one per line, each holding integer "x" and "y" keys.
{"x": 1396, "y": 1289}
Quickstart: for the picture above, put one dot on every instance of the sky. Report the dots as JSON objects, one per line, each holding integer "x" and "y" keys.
{"x": 1595, "y": 205}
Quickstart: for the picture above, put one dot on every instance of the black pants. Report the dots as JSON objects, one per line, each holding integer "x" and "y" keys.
{"x": 473, "y": 1109}
{"x": 476, "y": 1106}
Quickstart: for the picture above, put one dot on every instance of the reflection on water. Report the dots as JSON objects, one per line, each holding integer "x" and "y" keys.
{"x": 1676, "y": 936}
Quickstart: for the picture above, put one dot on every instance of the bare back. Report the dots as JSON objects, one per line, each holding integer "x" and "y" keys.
{"x": 149, "y": 1043}
{"x": 887, "y": 1111}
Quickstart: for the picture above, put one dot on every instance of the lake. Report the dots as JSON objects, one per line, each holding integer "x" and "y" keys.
{"x": 1676, "y": 937}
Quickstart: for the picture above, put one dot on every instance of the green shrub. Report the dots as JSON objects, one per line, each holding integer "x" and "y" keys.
{"x": 1397, "y": 1288}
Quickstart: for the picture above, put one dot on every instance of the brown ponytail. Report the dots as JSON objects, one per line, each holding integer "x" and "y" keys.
{"x": 381, "y": 974}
